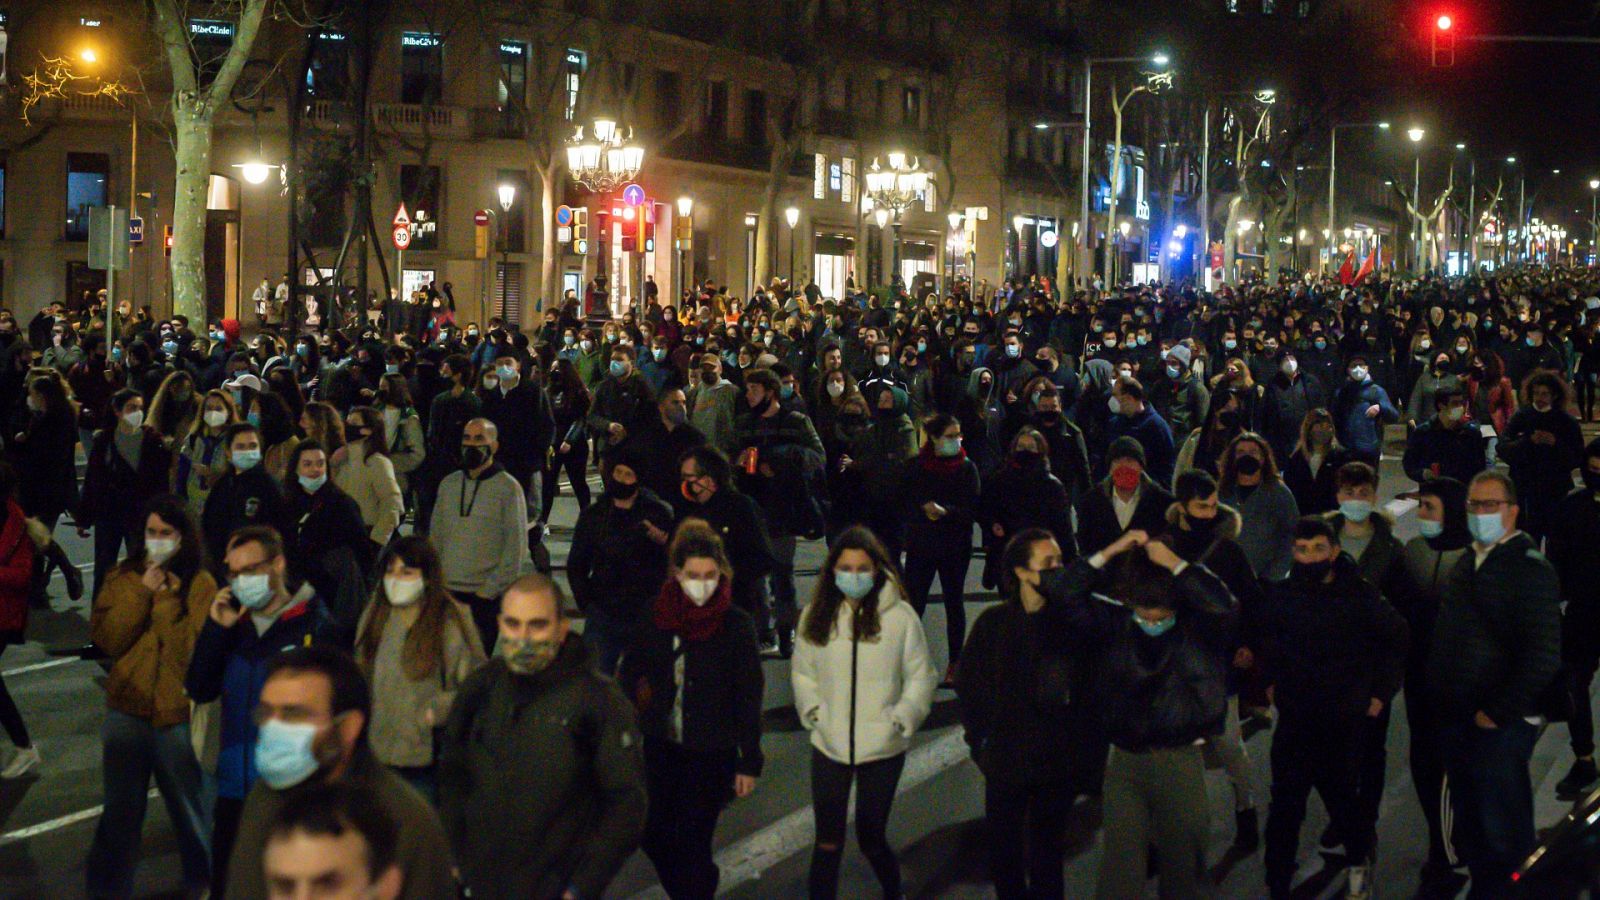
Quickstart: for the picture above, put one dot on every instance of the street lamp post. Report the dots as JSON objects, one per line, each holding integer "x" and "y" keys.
{"x": 1416, "y": 134}
{"x": 685, "y": 211}
{"x": 1594, "y": 224}
{"x": 1160, "y": 60}
{"x": 605, "y": 161}
{"x": 880, "y": 215}
{"x": 954, "y": 219}
{"x": 792, "y": 216}
{"x": 1333, "y": 171}
{"x": 893, "y": 188}
{"x": 508, "y": 196}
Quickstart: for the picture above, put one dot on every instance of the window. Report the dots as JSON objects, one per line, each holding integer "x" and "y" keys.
{"x": 574, "y": 65}
{"x": 930, "y": 197}
{"x": 419, "y": 191}
{"x": 714, "y": 121}
{"x": 512, "y": 87}
{"x": 847, "y": 188}
{"x": 328, "y": 75}
{"x": 209, "y": 41}
{"x": 516, "y": 220}
{"x": 911, "y": 108}
{"x": 1303, "y": 9}
{"x": 819, "y": 178}
{"x": 421, "y": 67}
{"x": 88, "y": 184}
{"x": 835, "y": 178}
{"x": 669, "y": 98}
{"x": 755, "y": 118}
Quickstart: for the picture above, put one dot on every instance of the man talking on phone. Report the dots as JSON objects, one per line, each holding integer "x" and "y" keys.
{"x": 254, "y": 618}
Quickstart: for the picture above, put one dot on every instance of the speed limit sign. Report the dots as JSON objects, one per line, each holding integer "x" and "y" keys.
{"x": 402, "y": 237}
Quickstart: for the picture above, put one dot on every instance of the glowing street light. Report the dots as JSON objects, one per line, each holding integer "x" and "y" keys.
{"x": 1415, "y": 134}
{"x": 89, "y": 55}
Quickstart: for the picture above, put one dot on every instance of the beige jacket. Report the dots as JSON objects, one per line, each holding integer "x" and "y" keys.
{"x": 369, "y": 480}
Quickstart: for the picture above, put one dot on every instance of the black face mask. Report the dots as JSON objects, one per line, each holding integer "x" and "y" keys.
{"x": 1311, "y": 573}
{"x": 1247, "y": 465}
{"x": 1047, "y": 419}
{"x": 473, "y": 457}
{"x": 1050, "y": 581}
{"x": 709, "y": 377}
{"x": 1027, "y": 458}
{"x": 1591, "y": 480}
{"x": 620, "y": 491}
{"x": 1203, "y": 527}
{"x": 1229, "y": 420}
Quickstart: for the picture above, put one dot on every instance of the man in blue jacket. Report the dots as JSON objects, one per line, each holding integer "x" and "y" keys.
{"x": 253, "y": 619}
{"x": 1360, "y": 410}
{"x": 1133, "y": 417}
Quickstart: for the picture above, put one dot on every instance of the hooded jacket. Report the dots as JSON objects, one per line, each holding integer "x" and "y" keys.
{"x": 863, "y": 699}
{"x": 149, "y": 636}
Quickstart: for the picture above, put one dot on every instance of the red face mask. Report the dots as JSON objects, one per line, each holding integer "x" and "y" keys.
{"x": 1125, "y": 477}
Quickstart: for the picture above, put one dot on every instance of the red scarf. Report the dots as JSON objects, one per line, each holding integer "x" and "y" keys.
{"x": 676, "y": 613}
{"x": 941, "y": 465}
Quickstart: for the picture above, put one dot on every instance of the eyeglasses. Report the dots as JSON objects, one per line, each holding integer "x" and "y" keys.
{"x": 1477, "y": 506}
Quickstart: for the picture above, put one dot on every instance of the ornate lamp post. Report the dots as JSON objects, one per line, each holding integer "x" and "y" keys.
{"x": 792, "y": 216}
{"x": 894, "y": 183}
{"x": 603, "y": 162}
{"x": 508, "y": 195}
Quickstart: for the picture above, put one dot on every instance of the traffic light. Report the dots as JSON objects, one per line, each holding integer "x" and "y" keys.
{"x": 1444, "y": 41}
{"x": 580, "y": 224}
{"x": 630, "y": 229}
{"x": 166, "y": 240}
{"x": 649, "y": 226}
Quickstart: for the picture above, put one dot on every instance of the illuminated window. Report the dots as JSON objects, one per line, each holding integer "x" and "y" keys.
{"x": 575, "y": 63}
{"x": 819, "y": 178}
{"x": 421, "y": 67}
{"x": 847, "y": 186}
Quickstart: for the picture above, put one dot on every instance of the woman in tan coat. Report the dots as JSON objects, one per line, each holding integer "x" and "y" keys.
{"x": 362, "y": 469}
{"x": 146, "y": 618}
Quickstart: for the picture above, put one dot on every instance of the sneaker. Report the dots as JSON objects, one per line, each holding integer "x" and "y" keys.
{"x": 769, "y": 646}
{"x": 74, "y": 582}
{"x": 1359, "y": 885}
{"x": 1579, "y": 779}
{"x": 1246, "y": 834}
{"x": 26, "y": 760}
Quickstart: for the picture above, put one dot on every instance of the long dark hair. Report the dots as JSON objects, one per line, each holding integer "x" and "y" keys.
{"x": 823, "y": 612}
{"x": 190, "y": 558}
{"x": 377, "y": 440}
{"x": 1017, "y": 554}
{"x": 423, "y": 652}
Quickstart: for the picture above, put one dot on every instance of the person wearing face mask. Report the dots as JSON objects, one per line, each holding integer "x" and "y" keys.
{"x": 1333, "y": 654}
{"x": 1533, "y": 353}
{"x": 713, "y": 401}
{"x": 1178, "y": 397}
{"x": 1361, "y": 408}
{"x": 1126, "y": 499}
{"x": 874, "y": 445}
{"x": 329, "y": 542}
{"x": 1429, "y": 558}
{"x": 1012, "y": 371}
{"x": 1542, "y": 444}
{"x": 45, "y": 449}
{"x": 862, "y": 684}
{"x": 1493, "y": 660}
{"x": 479, "y": 525}
{"x": 1017, "y": 684}
{"x": 145, "y": 619}
{"x": 1572, "y": 539}
{"x": 203, "y": 453}
{"x": 939, "y": 503}
{"x": 694, "y": 676}
{"x": 531, "y": 810}
{"x": 1132, "y": 417}
{"x": 245, "y": 494}
{"x": 1251, "y": 484}
{"x": 250, "y": 621}
{"x": 416, "y": 645}
{"x": 127, "y": 465}
{"x": 1289, "y": 394}
{"x": 1022, "y": 494}
{"x": 1156, "y": 658}
{"x": 520, "y": 408}
{"x": 622, "y": 402}
{"x": 316, "y": 713}
{"x": 618, "y": 559}
{"x": 1446, "y": 445}
{"x": 592, "y": 358}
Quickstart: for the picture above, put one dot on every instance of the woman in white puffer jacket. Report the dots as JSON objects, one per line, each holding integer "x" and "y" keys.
{"x": 861, "y": 699}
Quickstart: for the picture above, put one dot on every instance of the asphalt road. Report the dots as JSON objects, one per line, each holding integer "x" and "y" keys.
{"x": 47, "y": 821}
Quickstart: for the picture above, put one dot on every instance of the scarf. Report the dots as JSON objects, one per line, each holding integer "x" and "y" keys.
{"x": 940, "y": 465}
{"x": 676, "y": 613}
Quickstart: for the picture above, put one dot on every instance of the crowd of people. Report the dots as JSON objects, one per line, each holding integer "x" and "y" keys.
{"x": 335, "y": 640}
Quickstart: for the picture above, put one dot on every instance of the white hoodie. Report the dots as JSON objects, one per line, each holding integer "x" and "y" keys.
{"x": 887, "y": 683}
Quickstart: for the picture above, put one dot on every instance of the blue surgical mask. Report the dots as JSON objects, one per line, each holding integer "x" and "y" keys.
{"x": 1486, "y": 528}
{"x": 506, "y": 373}
{"x": 659, "y": 353}
{"x": 254, "y": 418}
{"x": 854, "y": 585}
{"x": 922, "y": 346}
{"x": 618, "y": 368}
{"x": 312, "y": 485}
{"x": 116, "y": 354}
{"x": 391, "y": 369}
{"x": 1155, "y": 629}
{"x": 252, "y": 591}
{"x": 1013, "y": 350}
{"x": 1355, "y": 510}
{"x": 284, "y": 757}
{"x": 786, "y": 391}
{"x": 1429, "y": 528}
{"x": 170, "y": 348}
{"x": 947, "y": 446}
{"x": 244, "y": 460}
{"x": 302, "y": 351}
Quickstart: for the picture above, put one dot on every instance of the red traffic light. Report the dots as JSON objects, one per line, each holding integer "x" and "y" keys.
{"x": 1444, "y": 22}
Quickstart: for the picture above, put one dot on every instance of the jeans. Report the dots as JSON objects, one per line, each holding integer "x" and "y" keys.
{"x": 1319, "y": 750}
{"x": 1492, "y": 797}
{"x": 830, "y": 798}
{"x": 950, "y": 564}
{"x": 1154, "y": 798}
{"x": 608, "y": 638}
{"x": 687, "y": 792}
{"x": 785, "y": 611}
{"x": 133, "y": 751}
{"x": 1027, "y": 833}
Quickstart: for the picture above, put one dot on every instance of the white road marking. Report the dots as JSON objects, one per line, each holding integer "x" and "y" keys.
{"x": 49, "y": 664}
{"x": 745, "y": 860}
{"x": 33, "y": 831}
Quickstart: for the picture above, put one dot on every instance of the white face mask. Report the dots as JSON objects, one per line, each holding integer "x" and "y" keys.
{"x": 134, "y": 419}
{"x": 835, "y": 388}
{"x": 159, "y": 550}
{"x": 402, "y": 591}
{"x": 882, "y": 359}
{"x": 216, "y": 418}
{"x": 698, "y": 590}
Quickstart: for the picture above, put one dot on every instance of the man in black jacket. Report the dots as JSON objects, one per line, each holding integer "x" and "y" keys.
{"x": 1446, "y": 446}
{"x": 1496, "y": 648}
{"x": 1127, "y": 499}
{"x": 1574, "y": 536}
{"x": 1333, "y": 651}
{"x": 661, "y": 443}
{"x": 448, "y": 414}
{"x": 521, "y": 411}
{"x": 245, "y": 494}
{"x": 708, "y": 493}
{"x": 618, "y": 559}
{"x": 622, "y": 402}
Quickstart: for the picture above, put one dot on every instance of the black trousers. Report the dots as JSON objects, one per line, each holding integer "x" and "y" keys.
{"x": 1374, "y": 763}
{"x": 830, "y": 798}
{"x": 1427, "y": 766}
{"x": 1027, "y": 832}
{"x": 485, "y": 614}
{"x": 225, "y": 815}
{"x": 1322, "y": 751}
{"x": 575, "y": 463}
{"x": 950, "y": 563}
{"x": 687, "y": 793}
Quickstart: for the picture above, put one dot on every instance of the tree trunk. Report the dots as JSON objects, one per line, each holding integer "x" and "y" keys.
{"x": 766, "y": 222}
{"x": 192, "y": 131}
{"x": 550, "y": 249}
{"x": 1230, "y": 239}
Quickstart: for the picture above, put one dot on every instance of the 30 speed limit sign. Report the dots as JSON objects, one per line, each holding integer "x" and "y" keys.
{"x": 402, "y": 237}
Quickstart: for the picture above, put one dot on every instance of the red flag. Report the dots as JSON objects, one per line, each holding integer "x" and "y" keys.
{"x": 1347, "y": 271}
{"x": 1369, "y": 264}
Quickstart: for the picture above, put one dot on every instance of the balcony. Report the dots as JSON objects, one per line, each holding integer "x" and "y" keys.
{"x": 706, "y": 149}
{"x": 439, "y": 121}
{"x": 78, "y": 106}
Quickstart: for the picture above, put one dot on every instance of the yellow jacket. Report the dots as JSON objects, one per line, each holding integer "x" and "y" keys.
{"x": 149, "y": 636}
